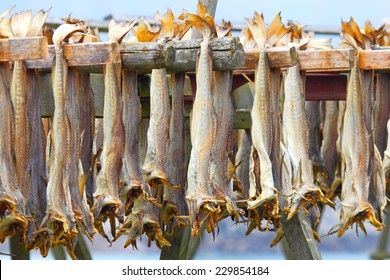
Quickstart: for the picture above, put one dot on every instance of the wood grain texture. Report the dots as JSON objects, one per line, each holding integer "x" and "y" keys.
{"x": 313, "y": 60}
{"x": 375, "y": 59}
{"x": 227, "y": 53}
{"x": 15, "y": 49}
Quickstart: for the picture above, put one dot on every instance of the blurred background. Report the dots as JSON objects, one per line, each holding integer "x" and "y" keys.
{"x": 231, "y": 242}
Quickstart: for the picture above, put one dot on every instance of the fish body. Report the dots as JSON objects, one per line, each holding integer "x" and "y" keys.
{"x": 38, "y": 178}
{"x": 155, "y": 165}
{"x": 296, "y": 141}
{"x": 134, "y": 185}
{"x": 106, "y": 198}
{"x": 174, "y": 200}
{"x": 59, "y": 225}
{"x": 224, "y": 108}
{"x": 12, "y": 203}
{"x": 200, "y": 199}
{"x": 355, "y": 206}
{"x": 329, "y": 139}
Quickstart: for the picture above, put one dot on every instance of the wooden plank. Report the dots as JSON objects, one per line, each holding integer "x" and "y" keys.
{"x": 375, "y": 59}
{"x": 23, "y": 48}
{"x": 86, "y": 54}
{"x": 138, "y": 56}
{"x": 277, "y": 57}
{"x": 309, "y": 60}
{"x": 146, "y": 56}
{"x": 176, "y": 56}
{"x": 227, "y": 53}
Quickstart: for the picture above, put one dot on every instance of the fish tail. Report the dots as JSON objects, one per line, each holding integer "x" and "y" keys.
{"x": 360, "y": 214}
{"x": 167, "y": 23}
{"x": 276, "y": 30}
{"x": 307, "y": 196}
{"x": 66, "y": 30}
{"x": 203, "y": 25}
{"x": 257, "y": 27}
{"x": 116, "y": 32}
{"x": 145, "y": 33}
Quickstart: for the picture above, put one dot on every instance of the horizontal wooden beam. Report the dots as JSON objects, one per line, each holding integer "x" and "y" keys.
{"x": 86, "y": 54}
{"x": 227, "y": 53}
{"x": 375, "y": 59}
{"x": 176, "y": 56}
{"x": 338, "y": 60}
{"x": 147, "y": 56}
{"x": 309, "y": 60}
{"x": 91, "y": 56}
{"x": 14, "y": 49}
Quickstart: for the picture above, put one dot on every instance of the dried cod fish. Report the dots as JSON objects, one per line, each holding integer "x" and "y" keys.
{"x": 262, "y": 192}
{"x": 155, "y": 164}
{"x": 244, "y": 145}
{"x": 335, "y": 187}
{"x": 174, "y": 205}
{"x": 59, "y": 225}
{"x": 141, "y": 207}
{"x": 221, "y": 180}
{"x": 38, "y": 179}
{"x": 107, "y": 204}
{"x": 381, "y": 110}
{"x": 77, "y": 178}
{"x": 328, "y": 146}
{"x": 355, "y": 206}
{"x": 23, "y": 85}
{"x": 296, "y": 141}
{"x": 363, "y": 189}
{"x": 12, "y": 203}
{"x": 142, "y": 214}
{"x": 201, "y": 202}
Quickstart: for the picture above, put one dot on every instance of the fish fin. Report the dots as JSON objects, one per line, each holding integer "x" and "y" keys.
{"x": 20, "y": 23}
{"x": 37, "y": 23}
{"x": 224, "y": 29}
{"x": 276, "y": 30}
{"x": 257, "y": 27}
{"x": 180, "y": 27}
{"x": 199, "y": 23}
{"x": 347, "y": 36}
{"x": 116, "y": 32}
{"x": 145, "y": 33}
{"x": 66, "y": 30}
{"x": 167, "y": 26}
{"x": 356, "y": 33}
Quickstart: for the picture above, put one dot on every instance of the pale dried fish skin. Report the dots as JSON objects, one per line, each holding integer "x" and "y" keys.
{"x": 134, "y": 186}
{"x": 154, "y": 167}
{"x": 12, "y": 204}
{"x": 297, "y": 143}
{"x": 200, "y": 199}
{"x": 355, "y": 207}
{"x": 262, "y": 191}
{"x": 224, "y": 108}
{"x": 106, "y": 198}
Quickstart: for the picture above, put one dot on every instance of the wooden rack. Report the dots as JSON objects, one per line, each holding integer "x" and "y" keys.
{"x": 325, "y": 77}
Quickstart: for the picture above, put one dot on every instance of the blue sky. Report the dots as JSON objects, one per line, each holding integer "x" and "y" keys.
{"x": 304, "y": 11}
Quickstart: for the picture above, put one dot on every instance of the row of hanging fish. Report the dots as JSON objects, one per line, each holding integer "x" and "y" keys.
{"x": 76, "y": 172}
